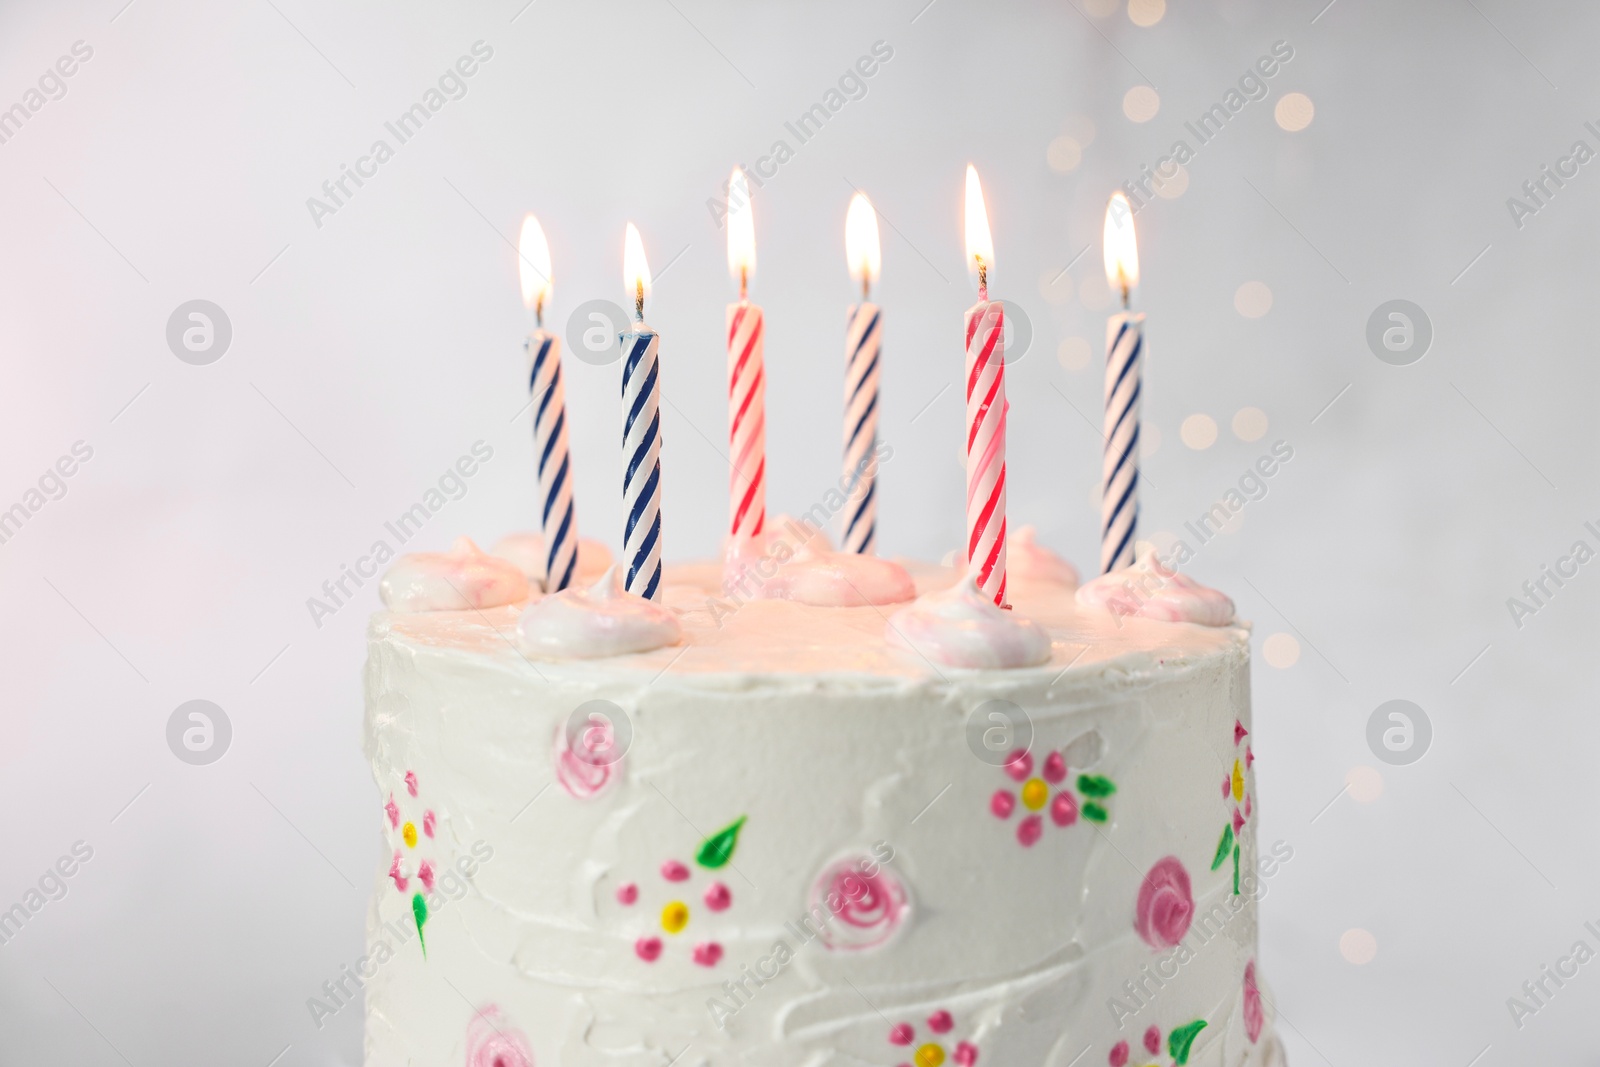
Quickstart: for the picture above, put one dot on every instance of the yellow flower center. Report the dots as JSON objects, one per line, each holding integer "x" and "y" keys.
{"x": 674, "y": 917}
{"x": 1238, "y": 781}
{"x": 1035, "y": 793}
{"x": 409, "y": 832}
{"x": 933, "y": 1055}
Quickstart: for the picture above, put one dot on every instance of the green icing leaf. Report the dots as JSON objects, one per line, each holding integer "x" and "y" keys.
{"x": 1093, "y": 812}
{"x": 717, "y": 850}
{"x": 1235, "y": 870}
{"x": 419, "y": 911}
{"x": 1094, "y": 785}
{"x": 1181, "y": 1038}
{"x": 1223, "y": 847}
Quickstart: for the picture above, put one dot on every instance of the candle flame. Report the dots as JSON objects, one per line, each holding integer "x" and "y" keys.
{"x": 861, "y": 248}
{"x": 980, "y": 246}
{"x": 533, "y": 263}
{"x": 1121, "y": 246}
{"x": 741, "y": 230}
{"x": 635, "y": 270}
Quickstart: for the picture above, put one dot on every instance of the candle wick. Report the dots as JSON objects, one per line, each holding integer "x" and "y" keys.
{"x": 866, "y": 287}
{"x": 638, "y": 300}
{"x": 744, "y": 283}
{"x": 1124, "y": 294}
{"x": 538, "y": 312}
{"x": 983, "y": 278}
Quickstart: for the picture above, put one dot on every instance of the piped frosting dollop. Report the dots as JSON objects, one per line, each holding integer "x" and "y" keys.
{"x": 794, "y": 561}
{"x": 602, "y": 620}
{"x": 1151, "y": 590}
{"x": 961, "y": 627}
{"x": 464, "y": 577}
{"x": 527, "y": 551}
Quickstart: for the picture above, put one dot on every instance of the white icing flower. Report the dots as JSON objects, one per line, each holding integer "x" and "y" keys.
{"x": 961, "y": 627}
{"x": 602, "y": 620}
{"x": 462, "y": 578}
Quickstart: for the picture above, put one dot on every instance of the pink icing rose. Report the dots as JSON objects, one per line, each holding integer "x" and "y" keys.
{"x": 491, "y": 1043}
{"x": 585, "y": 767}
{"x": 1253, "y": 1017}
{"x": 867, "y": 902}
{"x": 1165, "y": 904}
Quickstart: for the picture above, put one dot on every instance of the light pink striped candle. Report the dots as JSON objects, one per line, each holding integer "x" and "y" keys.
{"x": 986, "y": 411}
{"x": 747, "y": 378}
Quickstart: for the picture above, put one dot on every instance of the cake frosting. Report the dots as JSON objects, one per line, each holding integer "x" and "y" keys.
{"x": 464, "y": 577}
{"x": 792, "y": 561}
{"x": 527, "y": 551}
{"x": 789, "y": 841}
{"x": 1152, "y": 590}
{"x": 603, "y": 620}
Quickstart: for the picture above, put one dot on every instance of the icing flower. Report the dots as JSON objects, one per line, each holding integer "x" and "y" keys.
{"x": 676, "y": 916}
{"x": 410, "y": 841}
{"x": 1035, "y": 794}
{"x": 1254, "y": 1018}
{"x": 932, "y": 1053}
{"x": 1236, "y": 794}
{"x": 1180, "y": 1042}
{"x": 588, "y": 762}
{"x": 961, "y": 627}
{"x": 868, "y": 904}
{"x": 1165, "y": 904}
{"x": 1151, "y": 590}
{"x": 491, "y": 1043}
{"x": 526, "y": 550}
{"x": 603, "y": 620}
{"x": 464, "y": 577}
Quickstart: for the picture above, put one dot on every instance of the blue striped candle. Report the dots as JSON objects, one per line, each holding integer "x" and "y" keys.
{"x": 861, "y": 428}
{"x": 554, "y": 462}
{"x": 1119, "y": 485}
{"x": 641, "y": 435}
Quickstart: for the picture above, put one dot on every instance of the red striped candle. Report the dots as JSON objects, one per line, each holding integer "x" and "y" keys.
{"x": 747, "y": 379}
{"x": 986, "y": 411}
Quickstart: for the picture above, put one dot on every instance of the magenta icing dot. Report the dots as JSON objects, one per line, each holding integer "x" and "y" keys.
{"x": 718, "y": 896}
{"x": 940, "y": 1022}
{"x": 1119, "y": 1055}
{"x": 411, "y": 782}
{"x": 425, "y": 873}
{"x": 394, "y": 872}
{"x": 1238, "y": 822}
{"x": 428, "y": 823}
{"x": 1152, "y": 1041}
{"x": 1247, "y": 805}
{"x": 1249, "y": 756}
{"x": 1055, "y": 768}
{"x": 1227, "y": 786}
{"x": 1020, "y": 764}
{"x": 966, "y": 1054}
{"x": 901, "y": 1034}
{"x": 627, "y": 893}
{"x": 673, "y": 871}
{"x": 1003, "y": 803}
{"x": 1064, "y": 809}
{"x": 707, "y": 954}
{"x": 392, "y": 810}
{"x": 1239, "y": 732}
{"x": 648, "y": 948}
{"x": 1029, "y": 829}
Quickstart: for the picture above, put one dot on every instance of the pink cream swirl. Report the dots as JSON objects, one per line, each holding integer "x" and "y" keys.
{"x": 793, "y": 560}
{"x": 1165, "y": 905}
{"x": 868, "y": 904}
{"x": 491, "y": 1043}
{"x": 586, "y": 765}
{"x": 1254, "y": 1017}
{"x": 463, "y": 578}
{"x": 1151, "y": 590}
{"x": 962, "y": 627}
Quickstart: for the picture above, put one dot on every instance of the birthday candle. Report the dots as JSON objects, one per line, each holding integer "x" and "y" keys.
{"x": 986, "y": 410}
{"x": 556, "y": 513}
{"x": 747, "y": 379}
{"x": 1119, "y": 484}
{"x": 861, "y": 339}
{"x": 641, "y": 434}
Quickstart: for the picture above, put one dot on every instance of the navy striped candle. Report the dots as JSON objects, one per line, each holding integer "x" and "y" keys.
{"x": 861, "y": 429}
{"x": 554, "y": 462}
{"x": 641, "y": 453}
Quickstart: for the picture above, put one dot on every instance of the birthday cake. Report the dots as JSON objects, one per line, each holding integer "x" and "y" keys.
{"x": 808, "y": 808}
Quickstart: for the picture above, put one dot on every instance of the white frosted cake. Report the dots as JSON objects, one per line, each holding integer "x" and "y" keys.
{"x": 739, "y": 828}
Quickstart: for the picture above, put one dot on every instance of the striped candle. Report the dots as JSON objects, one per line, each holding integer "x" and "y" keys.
{"x": 1119, "y": 484}
{"x": 641, "y": 436}
{"x": 555, "y": 466}
{"x": 747, "y": 420}
{"x": 861, "y": 429}
{"x": 986, "y": 410}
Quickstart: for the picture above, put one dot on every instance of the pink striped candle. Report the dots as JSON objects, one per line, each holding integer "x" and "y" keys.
{"x": 747, "y": 380}
{"x": 986, "y": 410}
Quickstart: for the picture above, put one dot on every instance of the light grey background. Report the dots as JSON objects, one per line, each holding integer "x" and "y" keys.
{"x": 369, "y": 353}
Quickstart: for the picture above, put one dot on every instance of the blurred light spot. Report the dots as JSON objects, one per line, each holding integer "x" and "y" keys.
{"x": 1055, "y": 285}
{"x": 1141, "y": 103}
{"x": 1101, "y": 8}
{"x": 1249, "y": 424}
{"x": 1199, "y": 431}
{"x": 1358, "y": 946}
{"x": 1093, "y": 291}
{"x": 1074, "y": 354}
{"x": 1366, "y": 783}
{"x": 1281, "y": 651}
{"x": 1080, "y": 128}
{"x": 1173, "y": 186}
{"x": 1294, "y": 111}
{"x": 1064, "y": 154}
{"x": 1253, "y": 300}
{"x": 1146, "y": 12}
{"x": 1149, "y": 440}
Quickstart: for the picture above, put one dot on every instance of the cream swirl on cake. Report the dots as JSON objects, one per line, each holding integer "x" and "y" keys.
{"x": 463, "y": 578}
{"x": 527, "y": 551}
{"x": 798, "y": 563}
{"x": 1152, "y": 590}
{"x": 962, "y": 627}
{"x": 603, "y": 620}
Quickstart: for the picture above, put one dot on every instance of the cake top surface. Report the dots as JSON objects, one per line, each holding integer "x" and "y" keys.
{"x": 729, "y": 641}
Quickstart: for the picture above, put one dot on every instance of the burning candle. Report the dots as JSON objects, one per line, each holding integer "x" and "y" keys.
{"x": 641, "y": 433}
{"x": 747, "y": 379}
{"x": 556, "y": 518}
{"x": 986, "y": 410}
{"x": 1119, "y": 483}
{"x": 861, "y": 337}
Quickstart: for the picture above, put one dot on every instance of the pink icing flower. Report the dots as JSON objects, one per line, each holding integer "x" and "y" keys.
{"x": 1239, "y": 732}
{"x": 1020, "y": 764}
{"x": 902, "y": 1034}
{"x": 1254, "y": 1019}
{"x": 1152, "y": 1041}
{"x": 1238, "y": 822}
{"x": 966, "y": 1054}
{"x": 428, "y": 823}
{"x": 1165, "y": 904}
{"x": 707, "y": 954}
{"x": 586, "y": 769}
{"x": 491, "y": 1043}
{"x": 1003, "y": 803}
{"x": 1119, "y": 1055}
{"x": 411, "y": 782}
{"x": 1064, "y": 809}
{"x": 718, "y": 896}
{"x": 941, "y": 1022}
{"x": 627, "y": 894}
{"x": 1029, "y": 829}
{"x": 425, "y": 874}
{"x": 397, "y": 874}
{"x": 673, "y": 871}
{"x": 648, "y": 948}
{"x": 1055, "y": 768}
{"x": 868, "y": 903}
